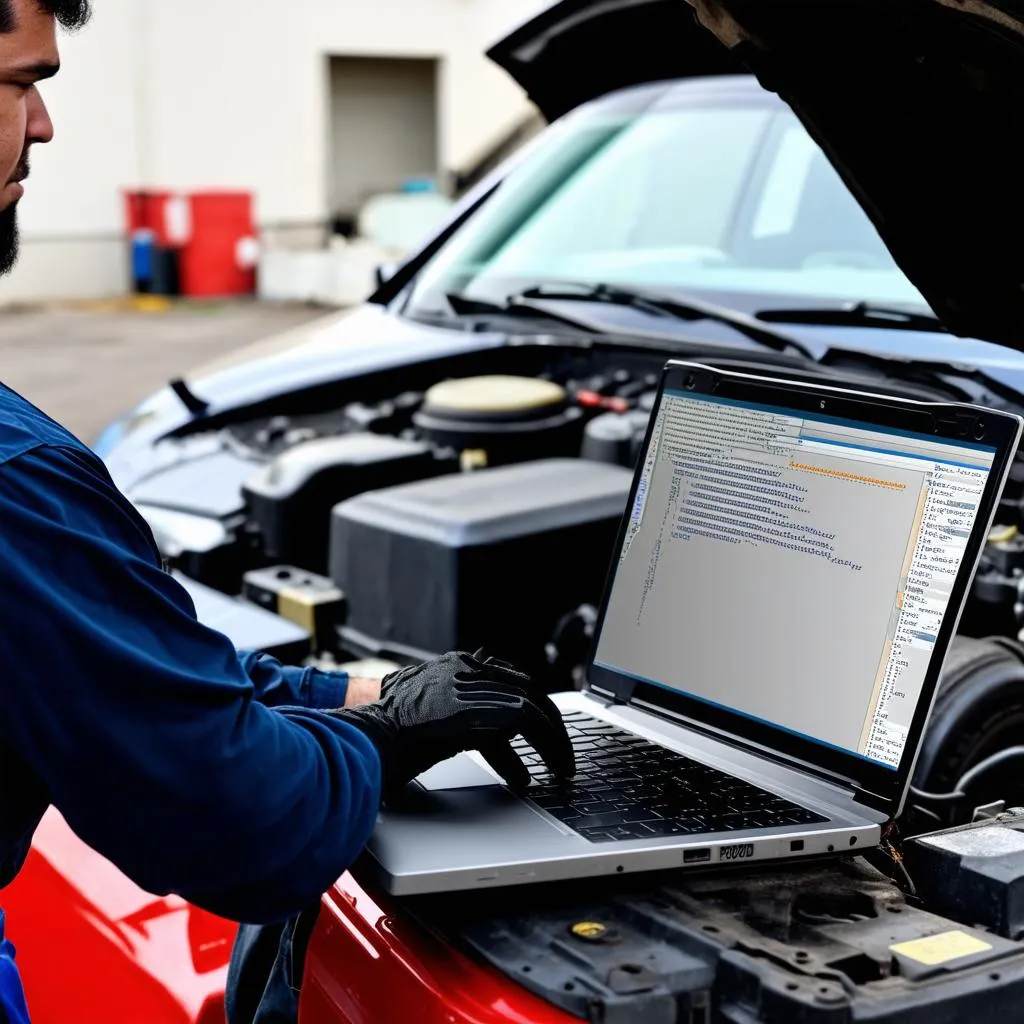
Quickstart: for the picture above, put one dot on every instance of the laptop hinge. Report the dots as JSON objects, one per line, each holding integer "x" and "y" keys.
{"x": 606, "y": 698}
{"x": 875, "y": 801}
{"x": 620, "y": 693}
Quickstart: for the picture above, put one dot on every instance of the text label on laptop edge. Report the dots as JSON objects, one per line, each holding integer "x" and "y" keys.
{"x": 740, "y": 852}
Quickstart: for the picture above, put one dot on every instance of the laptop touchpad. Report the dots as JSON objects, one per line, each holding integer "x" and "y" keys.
{"x": 461, "y": 772}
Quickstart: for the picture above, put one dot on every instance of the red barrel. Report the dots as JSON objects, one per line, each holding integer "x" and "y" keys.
{"x": 212, "y": 236}
{"x": 146, "y": 211}
{"x": 215, "y": 259}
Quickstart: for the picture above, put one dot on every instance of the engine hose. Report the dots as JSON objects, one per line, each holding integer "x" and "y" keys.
{"x": 1009, "y": 754}
{"x": 976, "y": 772}
{"x": 977, "y": 721}
{"x": 937, "y": 798}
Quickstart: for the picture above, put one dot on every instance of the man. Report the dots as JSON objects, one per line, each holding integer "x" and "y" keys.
{"x": 197, "y": 770}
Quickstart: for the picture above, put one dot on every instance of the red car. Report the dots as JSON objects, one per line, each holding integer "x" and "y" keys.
{"x": 93, "y": 947}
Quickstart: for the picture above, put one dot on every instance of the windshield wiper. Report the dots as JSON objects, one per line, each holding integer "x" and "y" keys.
{"x": 463, "y": 305}
{"x": 947, "y": 377}
{"x": 660, "y": 305}
{"x": 532, "y": 302}
{"x": 856, "y": 314}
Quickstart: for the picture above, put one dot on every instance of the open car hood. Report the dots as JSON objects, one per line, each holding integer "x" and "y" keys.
{"x": 918, "y": 105}
{"x": 578, "y": 50}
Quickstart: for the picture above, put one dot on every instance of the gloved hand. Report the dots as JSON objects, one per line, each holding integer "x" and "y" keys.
{"x": 428, "y": 713}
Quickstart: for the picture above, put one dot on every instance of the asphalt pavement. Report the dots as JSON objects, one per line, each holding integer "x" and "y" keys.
{"x": 86, "y": 364}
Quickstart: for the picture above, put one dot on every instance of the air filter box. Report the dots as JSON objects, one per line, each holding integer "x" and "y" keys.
{"x": 492, "y": 558}
{"x": 291, "y": 498}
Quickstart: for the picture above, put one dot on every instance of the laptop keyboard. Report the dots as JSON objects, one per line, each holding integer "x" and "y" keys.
{"x": 627, "y": 787}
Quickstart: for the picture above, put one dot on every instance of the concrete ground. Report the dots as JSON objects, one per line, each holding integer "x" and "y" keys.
{"x": 87, "y": 364}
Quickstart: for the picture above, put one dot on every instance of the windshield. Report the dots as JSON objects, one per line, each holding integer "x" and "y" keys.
{"x": 733, "y": 200}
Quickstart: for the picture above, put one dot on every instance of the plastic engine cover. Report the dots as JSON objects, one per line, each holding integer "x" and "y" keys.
{"x": 446, "y": 564}
{"x": 291, "y": 498}
{"x": 813, "y": 944}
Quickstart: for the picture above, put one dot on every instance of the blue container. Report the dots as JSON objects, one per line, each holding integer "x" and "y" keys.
{"x": 143, "y": 251}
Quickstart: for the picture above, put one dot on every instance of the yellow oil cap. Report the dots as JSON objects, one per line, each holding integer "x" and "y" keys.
{"x": 496, "y": 395}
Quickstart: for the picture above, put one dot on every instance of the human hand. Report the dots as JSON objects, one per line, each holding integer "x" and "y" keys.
{"x": 429, "y": 713}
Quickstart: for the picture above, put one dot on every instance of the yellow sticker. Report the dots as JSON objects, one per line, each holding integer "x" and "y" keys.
{"x": 938, "y": 949}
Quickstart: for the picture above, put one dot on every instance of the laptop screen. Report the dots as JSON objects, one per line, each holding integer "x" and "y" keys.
{"x": 792, "y": 568}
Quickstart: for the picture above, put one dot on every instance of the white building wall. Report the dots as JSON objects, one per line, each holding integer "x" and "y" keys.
{"x": 229, "y": 94}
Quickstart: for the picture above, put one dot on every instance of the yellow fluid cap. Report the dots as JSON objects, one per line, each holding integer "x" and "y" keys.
{"x": 494, "y": 394}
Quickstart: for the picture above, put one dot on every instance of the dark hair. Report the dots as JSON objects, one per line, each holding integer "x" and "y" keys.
{"x": 70, "y": 13}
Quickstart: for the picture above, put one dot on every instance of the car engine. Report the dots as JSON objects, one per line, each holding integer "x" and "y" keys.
{"x": 480, "y": 510}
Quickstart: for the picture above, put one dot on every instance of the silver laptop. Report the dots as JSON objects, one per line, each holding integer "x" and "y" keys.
{"x": 789, "y": 574}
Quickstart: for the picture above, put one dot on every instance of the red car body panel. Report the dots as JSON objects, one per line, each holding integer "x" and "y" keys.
{"x": 368, "y": 965}
{"x": 94, "y": 948}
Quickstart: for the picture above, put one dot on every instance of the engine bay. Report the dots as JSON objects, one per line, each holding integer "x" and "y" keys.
{"x": 826, "y": 942}
{"x": 494, "y": 481}
{"x": 474, "y": 501}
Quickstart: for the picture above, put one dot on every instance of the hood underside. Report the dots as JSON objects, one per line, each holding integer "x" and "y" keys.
{"x": 578, "y": 50}
{"x": 916, "y": 102}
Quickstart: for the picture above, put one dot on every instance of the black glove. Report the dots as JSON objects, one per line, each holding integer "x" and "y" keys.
{"x": 429, "y": 713}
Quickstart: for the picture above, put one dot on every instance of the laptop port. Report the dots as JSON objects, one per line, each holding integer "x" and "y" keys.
{"x": 696, "y": 856}
{"x": 796, "y": 845}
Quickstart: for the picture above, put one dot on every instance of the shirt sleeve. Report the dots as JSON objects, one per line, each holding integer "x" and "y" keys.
{"x": 146, "y": 726}
{"x": 277, "y": 685}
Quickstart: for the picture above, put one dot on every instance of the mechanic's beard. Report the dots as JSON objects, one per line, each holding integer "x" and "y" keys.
{"x": 8, "y": 239}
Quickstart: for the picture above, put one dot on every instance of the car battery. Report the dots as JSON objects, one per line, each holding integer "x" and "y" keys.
{"x": 974, "y": 873}
{"x": 310, "y": 601}
{"x": 832, "y": 942}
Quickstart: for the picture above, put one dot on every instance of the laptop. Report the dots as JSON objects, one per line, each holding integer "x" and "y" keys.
{"x": 789, "y": 573}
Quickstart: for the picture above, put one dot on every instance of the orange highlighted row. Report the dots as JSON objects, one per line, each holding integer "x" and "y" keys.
{"x": 821, "y": 471}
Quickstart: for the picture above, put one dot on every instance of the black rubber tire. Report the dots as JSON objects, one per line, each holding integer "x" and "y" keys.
{"x": 979, "y": 711}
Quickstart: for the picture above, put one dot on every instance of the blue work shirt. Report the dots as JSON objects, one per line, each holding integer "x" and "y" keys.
{"x": 196, "y": 769}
